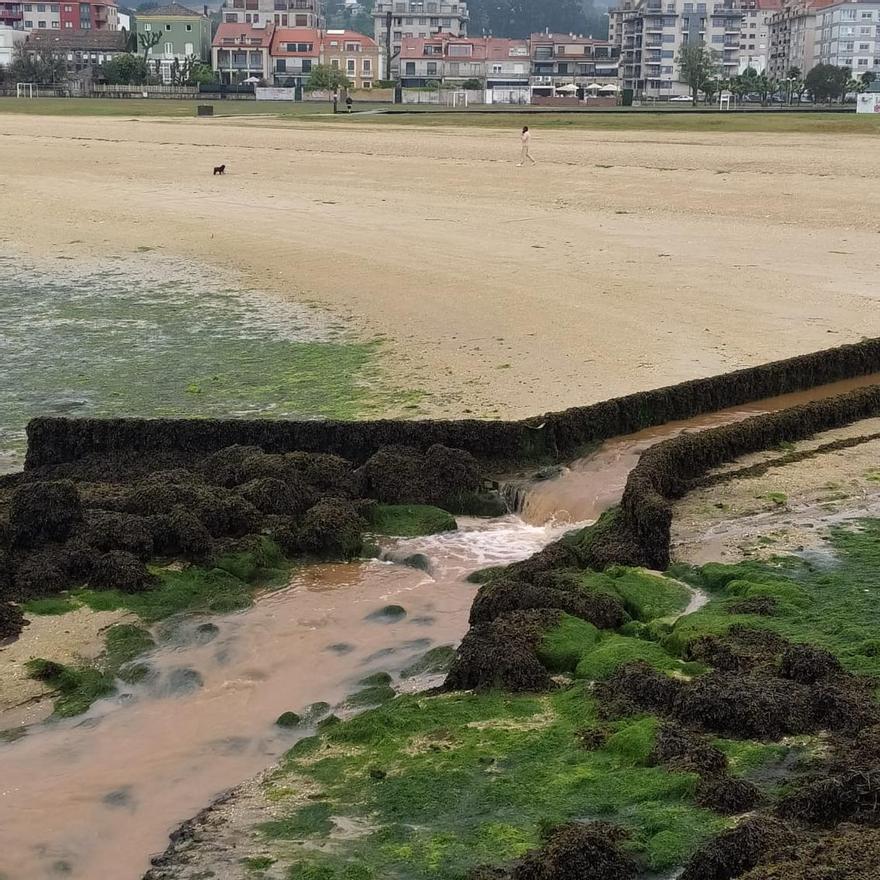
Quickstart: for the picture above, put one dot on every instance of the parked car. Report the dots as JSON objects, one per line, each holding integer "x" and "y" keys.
{"x": 680, "y": 99}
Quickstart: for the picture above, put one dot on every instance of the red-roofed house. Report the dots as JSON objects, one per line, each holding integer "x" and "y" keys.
{"x": 443, "y": 58}
{"x": 241, "y": 51}
{"x": 294, "y": 52}
{"x": 566, "y": 60}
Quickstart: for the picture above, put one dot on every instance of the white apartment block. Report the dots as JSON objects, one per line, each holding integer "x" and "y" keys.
{"x": 281, "y": 13}
{"x": 848, "y": 35}
{"x": 754, "y": 38}
{"x": 418, "y": 18}
{"x": 792, "y": 40}
{"x": 649, "y": 34}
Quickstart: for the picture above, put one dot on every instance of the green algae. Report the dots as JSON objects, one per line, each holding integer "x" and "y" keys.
{"x": 432, "y": 662}
{"x": 467, "y": 779}
{"x": 563, "y": 646}
{"x": 50, "y": 605}
{"x": 171, "y": 343}
{"x": 410, "y": 520}
{"x": 645, "y": 596}
{"x": 834, "y": 607}
{"x": 229, "y": 585}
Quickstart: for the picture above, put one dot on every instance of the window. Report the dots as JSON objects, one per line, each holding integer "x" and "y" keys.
{"x": 169, "y": 50}
{"x": 410, "y": 68}
{"x": 167, "y": 27}
{"x": 352, "y": 47}
{"x": 863, "y": 62}
{"x": 67, "y": 24}
{"x": 188, "y": 49}
{"x": 281, "y": 65}
{"x": 432, "y": 68}
{"x": 147, "y": 27}
{"x": 350, "y": 66}
{"x": 229, "y": 18}
{"x": 334, "y": 63}
{"x": 301, "y": 21}
{"x": 29, "y": 24}
{"x": 368, "y": 65}
{"x": 307, "y": 65}
{"x": 189, "y": 27}
{"x": 41, "y": 7}
{"x": 41, "y": 24}
{"x": 497, "y": 68}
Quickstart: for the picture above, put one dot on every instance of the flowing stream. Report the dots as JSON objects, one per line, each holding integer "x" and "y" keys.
{"x": 94, "y": 796}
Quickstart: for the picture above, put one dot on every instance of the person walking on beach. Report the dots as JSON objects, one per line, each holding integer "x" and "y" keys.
{"x": 526, "y": 137}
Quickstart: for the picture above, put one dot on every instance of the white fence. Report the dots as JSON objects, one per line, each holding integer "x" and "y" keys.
{"x": 441, "y": 96}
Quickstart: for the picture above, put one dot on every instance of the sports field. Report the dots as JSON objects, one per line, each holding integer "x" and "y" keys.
{"x": 641, "y": 250}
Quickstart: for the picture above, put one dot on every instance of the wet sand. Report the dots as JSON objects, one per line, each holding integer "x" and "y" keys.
{"x": 645, "y": 257}
{"x": 788, "y": 508}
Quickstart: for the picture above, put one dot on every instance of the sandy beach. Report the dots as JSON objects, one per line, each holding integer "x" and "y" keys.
{"x": 623, "y": 261}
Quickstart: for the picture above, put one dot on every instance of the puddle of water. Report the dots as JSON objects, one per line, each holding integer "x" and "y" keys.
{"x": 95, "y": 795}
{"x": 592, "y": 484}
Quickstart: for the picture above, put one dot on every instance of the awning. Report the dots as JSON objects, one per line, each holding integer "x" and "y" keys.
{"x": 569, "y": 87}
{"x": 609, "y": 88}
{"x": 592, "y": 87}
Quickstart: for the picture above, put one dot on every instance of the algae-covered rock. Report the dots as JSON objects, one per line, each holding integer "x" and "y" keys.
{"x": 332, "y": 529}
{"x": 288, "y": 720}
{"x": 433, "y": 662}
{"x": 42, "y": 512}
{"x": 387, "y": 614}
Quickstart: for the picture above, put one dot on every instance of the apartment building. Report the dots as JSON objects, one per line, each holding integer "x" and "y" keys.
{"x": 649, "y": 34}
{"x": 443, "y": 58}
{"x": 183, "y": 33}
{"x": 417, "y": 19}
{"x": 9, "y": 38}
{"x": 792, "y": 39}
{"x": 281, "y": 13}
{"x": 564, "y": 60}
{"x": 848, "y": 35}
{"x": 241, "y": 51}
{"x": 754, "y": 38}
{"x": 76, "y": 17}
{"x": 355, "y": 54}
{"x": 83, "y": 51}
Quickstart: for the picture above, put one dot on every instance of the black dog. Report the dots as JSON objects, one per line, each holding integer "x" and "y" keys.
{"x": 220, "y": 169}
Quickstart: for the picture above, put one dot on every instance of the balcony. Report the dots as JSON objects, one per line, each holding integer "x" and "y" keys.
{"x": 7, "y": 14}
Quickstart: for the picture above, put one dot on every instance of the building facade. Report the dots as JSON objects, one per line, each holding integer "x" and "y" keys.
{"x": 354, "y": 54}
{"x": 9, "y": 38}
{"x": 560, "y": 61}
{"x": 649, "y": 34}
{"x": 848, "y": 35}
{"x": 792, "y": 40}
{"x": 183, "y": 34}
{"x": 76, "y": 16}
{"x": 417, "y": 19}
{"x": 281, "y": 13}
{"x": 87, "y": 16}
{"x": 84, "y": 52}
{"x": 242, "y": 51}
{"x": 293, "y": 52}
{"x": 754, "y": 38}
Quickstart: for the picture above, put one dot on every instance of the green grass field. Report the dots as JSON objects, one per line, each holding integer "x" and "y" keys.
{"x": 619, "y": 120}
{"x": 153, "y": 107}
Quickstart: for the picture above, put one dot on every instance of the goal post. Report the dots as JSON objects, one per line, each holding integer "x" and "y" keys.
{"x": 24, "y": 90}
{"x": 457, "y": 98}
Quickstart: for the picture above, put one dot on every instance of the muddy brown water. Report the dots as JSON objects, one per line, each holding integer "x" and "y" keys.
{"x": 94, "y": 796}
{"x": 594, "y": 483}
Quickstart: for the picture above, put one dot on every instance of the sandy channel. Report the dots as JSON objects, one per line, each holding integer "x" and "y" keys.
{"x": 621, "y": 262}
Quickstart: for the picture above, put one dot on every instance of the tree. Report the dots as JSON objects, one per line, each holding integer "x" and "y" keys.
{"x": 826, "y": 82}
{"x": 201, "y": 73}
{"x": 126, "y": 70}
{"x": 325, "y": 77}
{"x": 42, "y": 67}
{"x": 473, "y": 84}
{"x": 750, "y": 82}
{"x": 868, "y": 77}
{"x": 794, "y": 82}
{"x": 147, "y": 40}
{"x": 698, "y": 65}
